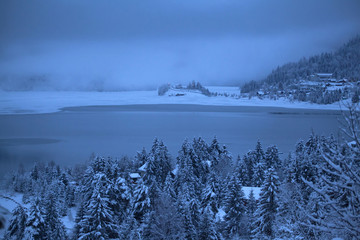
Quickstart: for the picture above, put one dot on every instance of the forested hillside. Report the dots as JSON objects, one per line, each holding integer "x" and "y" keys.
{"x": 287, "y": 80}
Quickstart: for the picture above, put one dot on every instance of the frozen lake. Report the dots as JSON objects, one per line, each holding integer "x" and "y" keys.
{"x": 70, "y": 136}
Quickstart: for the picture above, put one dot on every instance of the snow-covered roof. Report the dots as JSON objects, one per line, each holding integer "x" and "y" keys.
{"x": 324, "y": 74}
{"x": 175, "y": 170}
{"x": 143, "y": 167}
{"x": 134, "y": 175}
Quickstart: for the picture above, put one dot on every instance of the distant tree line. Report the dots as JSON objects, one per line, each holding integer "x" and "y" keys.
{"x": 163, "y": 89}
{"x": 311, "y": 194}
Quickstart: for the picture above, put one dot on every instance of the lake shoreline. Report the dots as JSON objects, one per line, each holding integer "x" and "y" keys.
{"x": 196, "y": 108}
{"x": 51, "y": 102}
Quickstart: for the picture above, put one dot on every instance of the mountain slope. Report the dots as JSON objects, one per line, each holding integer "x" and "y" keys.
{"x": 343, "y": 64}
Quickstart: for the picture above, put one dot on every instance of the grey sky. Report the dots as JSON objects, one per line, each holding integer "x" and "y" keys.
{"x": 137, "y": 43}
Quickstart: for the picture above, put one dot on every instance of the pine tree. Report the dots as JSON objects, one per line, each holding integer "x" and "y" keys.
{"x": 188, "y": 207}
{"x": 241, "y": 169}
{"x": 185, "y": 171}
{"x": 98, "y": 221}
{"x": 337, "y": 191}
{"x": 119, "y": 198}
{"x": 249, "y": 165}
{"x": 272, "y": 158}
{"x": 169, "y": 186}
{"x": 267, "y": 208}
{"x": 201, "y": 161}
{"x": 130, "y": 229}
{"x": 259, "y": 165}
{"x": 214, "y": 151}
{"x": 54, "y": 227}
{"x": 250, "y": 210}
{"x": 141, "y": 201}
{"x": 35, "y": 224}
{"x": 210, "y": 197}
{"x": 207, "y": 228}
{"x": 164, "y": 222}
{"x": 79, "y": 216}
{"x": 234, "y": 208}
{"x": 17, "y": 223}
{"x": 159, "y": 162}
{"x": 141, "y": 158}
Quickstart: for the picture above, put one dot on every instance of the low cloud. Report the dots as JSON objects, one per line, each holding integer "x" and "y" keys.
{"x": 121, "y": 45}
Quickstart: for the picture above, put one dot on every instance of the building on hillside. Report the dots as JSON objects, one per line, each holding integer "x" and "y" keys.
{"x": 324, "y": 76}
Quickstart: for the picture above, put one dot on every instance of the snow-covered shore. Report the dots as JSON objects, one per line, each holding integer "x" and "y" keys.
{"x": 49, "y": 102}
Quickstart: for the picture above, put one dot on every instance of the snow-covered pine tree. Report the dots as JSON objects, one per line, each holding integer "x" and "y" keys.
{"x": 251, "y": 207}
{"x": 225, "y": 166}
{"x": 98, "y": 221}
{"x": 185, "y": 172}
{"x": 266, "y": 212}
{"x": 211, "y": 196}
{"x": 189, "y": 209}
{"x": 141, "y": 201}
{"x": 159, "y": 162}
{"x": 220, "y": 158}
{"x": 35, "y": 224}
{"x": 338, "y": 188}
{"x": 241, "y": 169}
{"x": 141, "y": 158}
{"x": 164, "y": 222}
{"x": 130, "y": 229}
{"x": 79, "y": 216}
{"x": 120, "y": 197}
{"x": 234, "y": 204}
{"x": 272, "y": 158}
{"x": 19, "y": 180}
{"x": 214, "y": 151}
{"x": 17, "y": 224}
{"x": 202, "y": 163}
{"x": 259, "y": 165}
{"x": 207, "y": 227}
{"x": 249, "y": 165}
{"x": 53, "y": 226}
{"x": 259, "y": 173}
{"x": 169, "y": 186}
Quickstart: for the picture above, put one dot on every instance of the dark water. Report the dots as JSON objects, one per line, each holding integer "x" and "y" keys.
{"x": 71, "y": 136}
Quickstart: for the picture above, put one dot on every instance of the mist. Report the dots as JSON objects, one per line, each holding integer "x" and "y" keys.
{"x": 111, "y": 46}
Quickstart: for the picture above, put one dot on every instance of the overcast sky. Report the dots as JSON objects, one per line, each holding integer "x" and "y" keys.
{"x": 134, "y": 44}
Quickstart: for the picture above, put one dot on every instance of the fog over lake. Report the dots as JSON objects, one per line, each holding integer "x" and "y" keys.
{"x": 72, "y": 135}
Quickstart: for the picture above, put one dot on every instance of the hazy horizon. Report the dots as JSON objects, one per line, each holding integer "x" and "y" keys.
{"x": 65, "y": 45}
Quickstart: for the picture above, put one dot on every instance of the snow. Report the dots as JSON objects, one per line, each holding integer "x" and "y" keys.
{"x": 220, "y": 215}
{"x": 224, "y": 90}
{"x": 134, "y": 175}
{"x": 256, "y": 191}
{"x": 69, "y": 220}
{"x": 7, "y": 206}
{"x": 48, "y": 102}
{"x": 143, "y": 167}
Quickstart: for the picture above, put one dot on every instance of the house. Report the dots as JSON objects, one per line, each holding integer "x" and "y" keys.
{"x": 134, "y": 177}
{"x": 260, "y": 93}
{"x": 324, "y": 76}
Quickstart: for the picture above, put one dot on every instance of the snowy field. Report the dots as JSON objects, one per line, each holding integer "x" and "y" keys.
{"x": 47, "y": 102}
